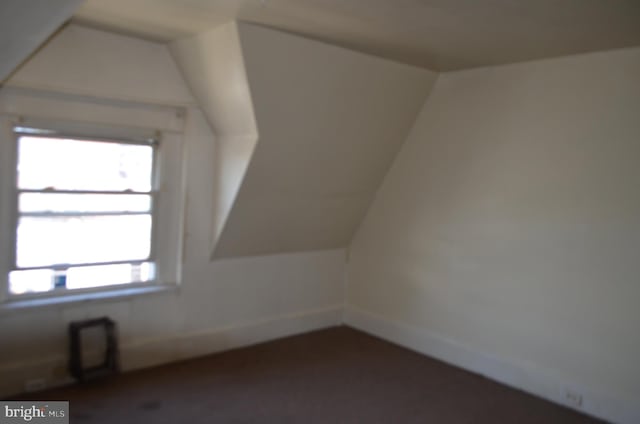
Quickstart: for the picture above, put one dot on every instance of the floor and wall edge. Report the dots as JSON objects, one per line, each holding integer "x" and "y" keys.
{"x": 52, "y": 372}
{"x": 523, "y": 376}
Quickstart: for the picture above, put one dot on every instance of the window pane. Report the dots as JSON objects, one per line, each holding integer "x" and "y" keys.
{"x": 56, "y": 202}
{"x": 109, "y": 275}
{"x": 83, "y": 165}
{"x": 31, "y": 281}
{"x": 43, "y": 241}
{"x": 42, "y": 280}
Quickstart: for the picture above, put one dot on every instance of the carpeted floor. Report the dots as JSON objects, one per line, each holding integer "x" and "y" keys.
{"x": 338, "y": 375}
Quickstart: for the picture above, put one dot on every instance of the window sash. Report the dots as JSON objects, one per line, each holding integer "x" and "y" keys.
{"x": 28, "y": 131}
{"x": 63, "y": 292}
{"x": 19, "y": 131}
{"x": 94, "y": 154}
{"x": 153, "y": 201}
{"x": 45, "y": 249}
{"x": 78, "y": 214}
{"x": 63, "y": 191}
{"x": 84, "y": 264}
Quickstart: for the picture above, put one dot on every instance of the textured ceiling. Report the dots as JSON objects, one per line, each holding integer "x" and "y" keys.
{"x": 436, "y": 34}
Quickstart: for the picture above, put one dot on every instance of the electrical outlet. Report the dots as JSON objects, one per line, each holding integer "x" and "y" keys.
{"x": 573, "y": 398}
{"x": 35, "y": 385}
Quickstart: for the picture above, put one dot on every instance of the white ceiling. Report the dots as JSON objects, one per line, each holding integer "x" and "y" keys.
{"x": 25, "y": 25}
{"x": 330, "y": 123}
{"x": 437, "y": 34}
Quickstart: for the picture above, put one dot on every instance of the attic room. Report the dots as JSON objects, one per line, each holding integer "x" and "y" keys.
{"x": 348, "y": 211}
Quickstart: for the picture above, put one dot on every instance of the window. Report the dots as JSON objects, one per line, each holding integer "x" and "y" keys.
{"x": 92, "y": 198}
{"x": 84, "y": 212}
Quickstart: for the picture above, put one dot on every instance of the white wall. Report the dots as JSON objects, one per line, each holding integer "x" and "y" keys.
{"x": 220, "y": 304}
{"x": 506, "y": 236}
{"x": 504, "y": 239}
{"x": 306, "y": 132}
{"x": 330, "y": 121}
{"x": 212, "y": 65}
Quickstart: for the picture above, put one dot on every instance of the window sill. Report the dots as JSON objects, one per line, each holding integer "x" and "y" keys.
{"x": 86, "y": 297}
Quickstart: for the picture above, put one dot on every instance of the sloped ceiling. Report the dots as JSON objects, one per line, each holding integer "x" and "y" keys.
{"x": 84, "y": 61}
{"x": 436, "y": 34}
{"x": 330, "y": 122}
{"x": 213, "y": 66}
{"x": 316, "y": 128}
{"x": 25, "y": 25}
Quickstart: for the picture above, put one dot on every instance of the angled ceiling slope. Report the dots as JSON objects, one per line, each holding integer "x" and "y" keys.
{"x": 25, "y": 25}
{"x": 437, "y": 34}
{"x": 326, "y": 124}
{"x": 213, "y": 66}
{"x": 97, "y": 64}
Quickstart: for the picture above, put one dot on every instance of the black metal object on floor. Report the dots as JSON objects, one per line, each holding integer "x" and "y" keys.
{"x": 110, "y": 364}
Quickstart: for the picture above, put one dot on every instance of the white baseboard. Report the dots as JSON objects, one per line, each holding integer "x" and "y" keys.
{"x": 150, "y": 353}
{"x": 156, "y": 352}
{"x": 520, "y": 375}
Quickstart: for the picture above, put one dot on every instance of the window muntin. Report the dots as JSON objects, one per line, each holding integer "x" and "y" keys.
{"x": 60, "y": 202}
{"x": 84, "y": 213}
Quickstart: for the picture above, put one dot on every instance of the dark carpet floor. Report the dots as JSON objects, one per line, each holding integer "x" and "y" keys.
{"x": 338, "y": 375}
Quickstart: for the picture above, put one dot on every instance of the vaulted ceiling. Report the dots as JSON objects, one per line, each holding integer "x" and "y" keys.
{"x": 437, "y": 34}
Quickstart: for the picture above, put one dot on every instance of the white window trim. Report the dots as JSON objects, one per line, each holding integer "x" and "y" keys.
{"x": 168, "y": 213}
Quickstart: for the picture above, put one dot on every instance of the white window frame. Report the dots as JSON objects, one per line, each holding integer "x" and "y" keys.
{"x": 167, "y": 187}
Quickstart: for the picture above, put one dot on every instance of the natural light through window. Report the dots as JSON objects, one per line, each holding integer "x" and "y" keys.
{"x": 84, "y": 214}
